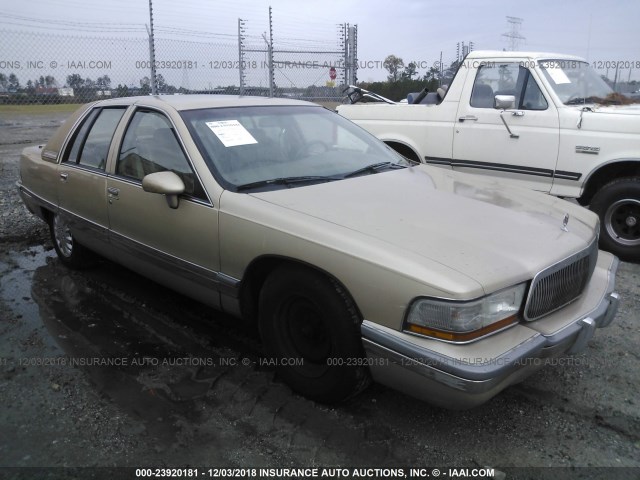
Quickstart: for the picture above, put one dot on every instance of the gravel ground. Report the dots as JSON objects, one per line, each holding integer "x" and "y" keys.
{"x": 224, "y": 408}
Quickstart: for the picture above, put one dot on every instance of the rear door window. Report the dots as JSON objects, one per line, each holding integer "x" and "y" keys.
{"x": 90, "y": 146}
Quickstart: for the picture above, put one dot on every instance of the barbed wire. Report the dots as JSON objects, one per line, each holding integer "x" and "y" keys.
{"x": 61, "y": 62}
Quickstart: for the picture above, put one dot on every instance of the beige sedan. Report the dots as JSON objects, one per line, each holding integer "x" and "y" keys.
{"x": 352, "y": 262}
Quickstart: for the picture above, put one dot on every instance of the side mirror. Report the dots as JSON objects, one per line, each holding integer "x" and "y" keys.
{"x": 165, "y": 183}
{"x": 504, "y": 102}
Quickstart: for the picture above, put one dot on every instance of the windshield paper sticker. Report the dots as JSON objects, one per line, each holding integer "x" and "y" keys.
{"x": 231, "y": 133}
{"x": 557, "y": 74}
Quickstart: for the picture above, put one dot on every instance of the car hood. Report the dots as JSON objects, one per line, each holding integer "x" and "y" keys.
{"x": 632, "y": 109}
{"x": 618, "y": 119}
{"x": 492, "y": 234}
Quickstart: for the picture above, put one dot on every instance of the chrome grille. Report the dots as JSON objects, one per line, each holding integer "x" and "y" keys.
{"x": 560, "y": 284}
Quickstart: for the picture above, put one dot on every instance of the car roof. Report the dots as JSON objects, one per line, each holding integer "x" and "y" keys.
{"x": 198, "y": 101}
{"x": 177, "y": 102}
{"x": 531, "y": 55}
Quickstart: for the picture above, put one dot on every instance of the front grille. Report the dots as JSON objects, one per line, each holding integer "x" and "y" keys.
{"x": 560, "y": 284}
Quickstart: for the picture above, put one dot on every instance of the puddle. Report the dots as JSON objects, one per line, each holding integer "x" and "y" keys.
{"x": 154, "y": 353}
{"x": 16, "y": 276}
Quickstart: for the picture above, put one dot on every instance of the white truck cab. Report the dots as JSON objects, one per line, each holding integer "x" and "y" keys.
{"x": 544, "y": 121}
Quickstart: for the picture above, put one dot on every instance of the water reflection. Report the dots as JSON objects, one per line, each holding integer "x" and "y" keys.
{"x": 153, "y": 352}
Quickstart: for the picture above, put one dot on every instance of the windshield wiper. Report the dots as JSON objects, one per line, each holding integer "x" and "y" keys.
{"x": 285, "y": 181}
{"x": 317, "y": 178}
{"x": 373, "y": 168}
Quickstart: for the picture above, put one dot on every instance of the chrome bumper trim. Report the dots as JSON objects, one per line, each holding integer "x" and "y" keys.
{"x": 475, "y": 378}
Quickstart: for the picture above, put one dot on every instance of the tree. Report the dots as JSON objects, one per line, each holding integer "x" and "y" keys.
{"x": 103, "y": 82}
{"x": 49, "y": 81}
{"x": 13, "y": 83}
{"x": 30, "y": 86}
{"x": 432, "y": 74}
{"x": 393, "y": 65}
{"x": 122, "y": 91}
{"x": 409, "y": 71}
{"x": 3, "y": 80}
{"x": 145, "y": 86}
{"x": 74, "y": 81}
{"x": 160, "y": 83}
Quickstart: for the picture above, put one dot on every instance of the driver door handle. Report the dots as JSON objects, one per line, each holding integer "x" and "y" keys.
{"x": 113, "y": 191}
{"x": 470, "y": 118}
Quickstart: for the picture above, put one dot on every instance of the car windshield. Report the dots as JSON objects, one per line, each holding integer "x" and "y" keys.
{"x": 268, "y": 147}
{"x": 575, "y": 82}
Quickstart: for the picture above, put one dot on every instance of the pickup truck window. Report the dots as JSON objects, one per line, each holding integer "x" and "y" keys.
{"x": 150, "y": 145}
{"x": 507, "y": 79}
{"x": 90, "y": 146}
{"x": 575, "y": 82}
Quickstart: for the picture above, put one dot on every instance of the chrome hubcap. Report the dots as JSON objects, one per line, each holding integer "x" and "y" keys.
{"x": 62, "y": 235}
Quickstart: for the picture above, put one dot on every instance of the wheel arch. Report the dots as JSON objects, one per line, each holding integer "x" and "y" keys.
{"x": 259, "y": 270}
{"x": 620, "y": 168}
{"x": 404, "y": 149}
{"x": 46, "y": 214}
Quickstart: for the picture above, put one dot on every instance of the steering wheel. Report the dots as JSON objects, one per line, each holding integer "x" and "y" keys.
{"x": 316, "y": 147}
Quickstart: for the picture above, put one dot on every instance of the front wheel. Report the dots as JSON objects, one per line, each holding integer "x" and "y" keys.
{"x": 69, "y": 251}
{"x": 312, "y": 329}
{"x": 618, "y": 205}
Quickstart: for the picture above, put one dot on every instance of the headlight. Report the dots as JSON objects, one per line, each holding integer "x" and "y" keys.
{"x": 464, "y": 321}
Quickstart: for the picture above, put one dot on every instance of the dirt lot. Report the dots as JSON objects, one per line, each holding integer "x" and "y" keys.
{"x": 199, "y": 396}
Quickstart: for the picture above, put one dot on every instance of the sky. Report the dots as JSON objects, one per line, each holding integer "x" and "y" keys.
{"x": 605, "y": 34}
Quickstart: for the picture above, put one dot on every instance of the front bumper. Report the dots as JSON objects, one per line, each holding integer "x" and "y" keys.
{"x": 458, "y": 377}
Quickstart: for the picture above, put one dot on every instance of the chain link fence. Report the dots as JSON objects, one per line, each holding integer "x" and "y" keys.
{"x": 44, "y": 67}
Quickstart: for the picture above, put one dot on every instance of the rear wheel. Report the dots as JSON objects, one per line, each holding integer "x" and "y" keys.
{"x": 618, "y": 205}
{"x": 312, "y": 330}
{"x": 69, "y": 251}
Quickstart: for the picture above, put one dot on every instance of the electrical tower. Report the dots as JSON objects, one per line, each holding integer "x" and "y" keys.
{"x": 514, "y": 33}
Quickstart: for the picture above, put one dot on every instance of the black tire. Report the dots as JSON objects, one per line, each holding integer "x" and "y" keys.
{"x": 618, "y": 206}
{"x": 307, "y": 317}
{"x": 69, "y": 251}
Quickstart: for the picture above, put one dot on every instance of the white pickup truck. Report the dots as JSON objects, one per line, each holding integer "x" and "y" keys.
{"x": 539, "y": 120}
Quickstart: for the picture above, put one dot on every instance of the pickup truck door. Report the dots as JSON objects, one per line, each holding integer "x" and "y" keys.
{"x": 519, "y": 145}
{"x": 178, "y": 247}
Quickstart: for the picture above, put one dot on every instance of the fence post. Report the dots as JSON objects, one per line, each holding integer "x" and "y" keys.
{"x": 347, "y": 77}
{"x": 272, "y": 78}
{"x": 353, "y": 53}
{"x": 152, "y": 53}
{"x": 241, "y": 54}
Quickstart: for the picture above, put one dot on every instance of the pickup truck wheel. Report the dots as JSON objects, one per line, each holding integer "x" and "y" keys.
{"x": 311, "y": 329}
{"x": 618, "y": 205}
{"x": 69, "y": 251}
